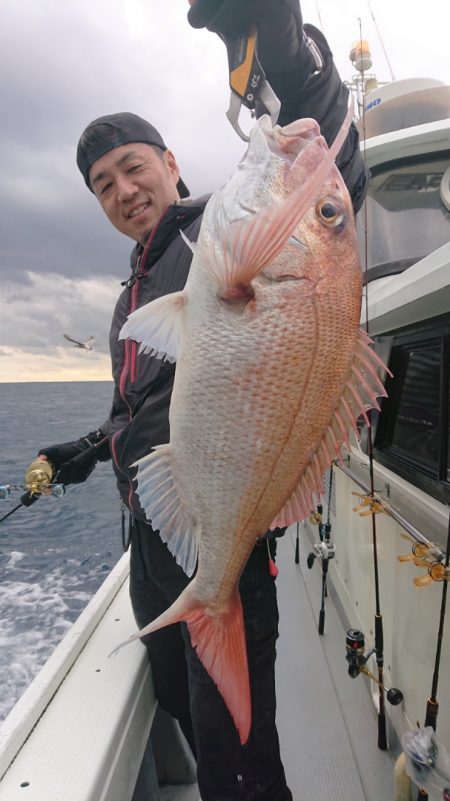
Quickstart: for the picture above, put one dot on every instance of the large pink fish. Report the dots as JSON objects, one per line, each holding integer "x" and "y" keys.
{"x": 272, "y": 373}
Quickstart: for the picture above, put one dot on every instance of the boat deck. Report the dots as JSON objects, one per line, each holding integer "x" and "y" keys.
{"x": 326, "y": 720}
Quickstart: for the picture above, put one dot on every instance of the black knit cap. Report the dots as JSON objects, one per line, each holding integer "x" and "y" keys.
{"x": 111, "y": 131}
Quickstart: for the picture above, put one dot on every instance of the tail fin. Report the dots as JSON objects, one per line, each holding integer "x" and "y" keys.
{"x": 220, "y": 644}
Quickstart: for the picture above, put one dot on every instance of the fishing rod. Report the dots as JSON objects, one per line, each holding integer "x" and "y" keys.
{"x": 297, "y": 545}
{"x": 438, "y": 570}
{"x": 381, "y": 41}
{"x": 378, "y": 628}
{"x": 38, "y": 481}
{"x": 320, "y": 18}
{"x": 379, "y": 640}
{"x": 324, "y": 550}
{"x": 26, "y": 500}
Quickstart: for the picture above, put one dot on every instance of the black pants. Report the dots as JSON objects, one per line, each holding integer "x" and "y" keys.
{"x": 226, "y": 771}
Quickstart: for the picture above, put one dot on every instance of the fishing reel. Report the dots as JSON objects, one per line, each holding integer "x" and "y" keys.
{"x": 324, "y": 549}
{"x": 38, "y": 481}
{"x": 357, "y": 660}
{"x": 427, "y": 762}
{"x": 39, "y": 476}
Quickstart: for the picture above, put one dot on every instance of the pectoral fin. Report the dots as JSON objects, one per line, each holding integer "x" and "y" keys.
{"x": 158, "y": 326}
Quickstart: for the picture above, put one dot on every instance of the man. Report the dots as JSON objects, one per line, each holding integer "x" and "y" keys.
{"x": 136, "y": 179}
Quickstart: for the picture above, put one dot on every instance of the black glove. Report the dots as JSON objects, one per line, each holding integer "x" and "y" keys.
{"x": 279, "y": 25}
{"x": 75, "y": 461}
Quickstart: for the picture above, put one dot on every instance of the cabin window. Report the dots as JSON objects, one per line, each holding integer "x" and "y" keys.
{"x": 406, "y": 215}
{"x": 413, "y": 430}
{"x": 448, "y": 426}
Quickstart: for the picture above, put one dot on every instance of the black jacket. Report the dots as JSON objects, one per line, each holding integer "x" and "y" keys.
{"x": 143, "y": 384}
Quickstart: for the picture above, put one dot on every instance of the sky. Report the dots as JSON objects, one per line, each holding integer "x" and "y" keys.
{"x": 64, "y": 63}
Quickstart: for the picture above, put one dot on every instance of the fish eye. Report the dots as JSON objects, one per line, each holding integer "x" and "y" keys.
{"x": 330, "y": 212}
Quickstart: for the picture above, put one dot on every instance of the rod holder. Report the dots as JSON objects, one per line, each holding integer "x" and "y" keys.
{"x": 368, "y": 505}
{"x": 424, "y": 556}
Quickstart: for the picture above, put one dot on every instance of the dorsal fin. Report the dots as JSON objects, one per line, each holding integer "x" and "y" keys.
{"x": 360, "y": 394}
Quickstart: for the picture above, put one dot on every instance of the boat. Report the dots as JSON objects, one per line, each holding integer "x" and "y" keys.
{"x": 387, "y": 502}
{"x": 88, "y": 727}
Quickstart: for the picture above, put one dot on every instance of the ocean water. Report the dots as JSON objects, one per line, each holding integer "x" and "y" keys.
{"x": 55, "y": 554}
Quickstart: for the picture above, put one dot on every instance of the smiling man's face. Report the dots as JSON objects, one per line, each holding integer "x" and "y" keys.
{"x": 134, "y": 184}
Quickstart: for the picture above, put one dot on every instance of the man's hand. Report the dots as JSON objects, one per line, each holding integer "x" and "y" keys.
{"x": 279, "y": 25}
{"x": 73, "y": 462}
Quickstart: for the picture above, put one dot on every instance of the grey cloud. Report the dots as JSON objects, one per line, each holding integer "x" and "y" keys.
{"x": 62, "y": 68}
{"x": 65, "y": 63}
{"x": 51, "y": 305}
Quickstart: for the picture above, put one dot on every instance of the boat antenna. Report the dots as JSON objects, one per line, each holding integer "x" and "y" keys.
{"x": 319, "y": 16}
{"x": 381, "y": 41}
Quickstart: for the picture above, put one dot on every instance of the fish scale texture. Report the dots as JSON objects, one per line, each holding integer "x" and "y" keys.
{"x": 244, "y": 427}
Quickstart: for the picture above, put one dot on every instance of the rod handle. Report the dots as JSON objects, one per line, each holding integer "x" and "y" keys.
{"x": 382, "y": 738}
{"x": 431, "y": 713}
{"x": 297, "y": 545}
{"x": 321, "y": 627}
{"x": 28, "y": 498}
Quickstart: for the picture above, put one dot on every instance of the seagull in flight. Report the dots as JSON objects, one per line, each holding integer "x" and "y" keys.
{"x": 88, "y": 345}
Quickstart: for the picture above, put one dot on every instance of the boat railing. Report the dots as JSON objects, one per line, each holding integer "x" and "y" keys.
{"x": 81, "y": 728}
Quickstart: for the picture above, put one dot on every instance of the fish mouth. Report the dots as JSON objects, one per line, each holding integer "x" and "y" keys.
{"x": 278, "y": 278}
{"x": 289, "y": 277}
